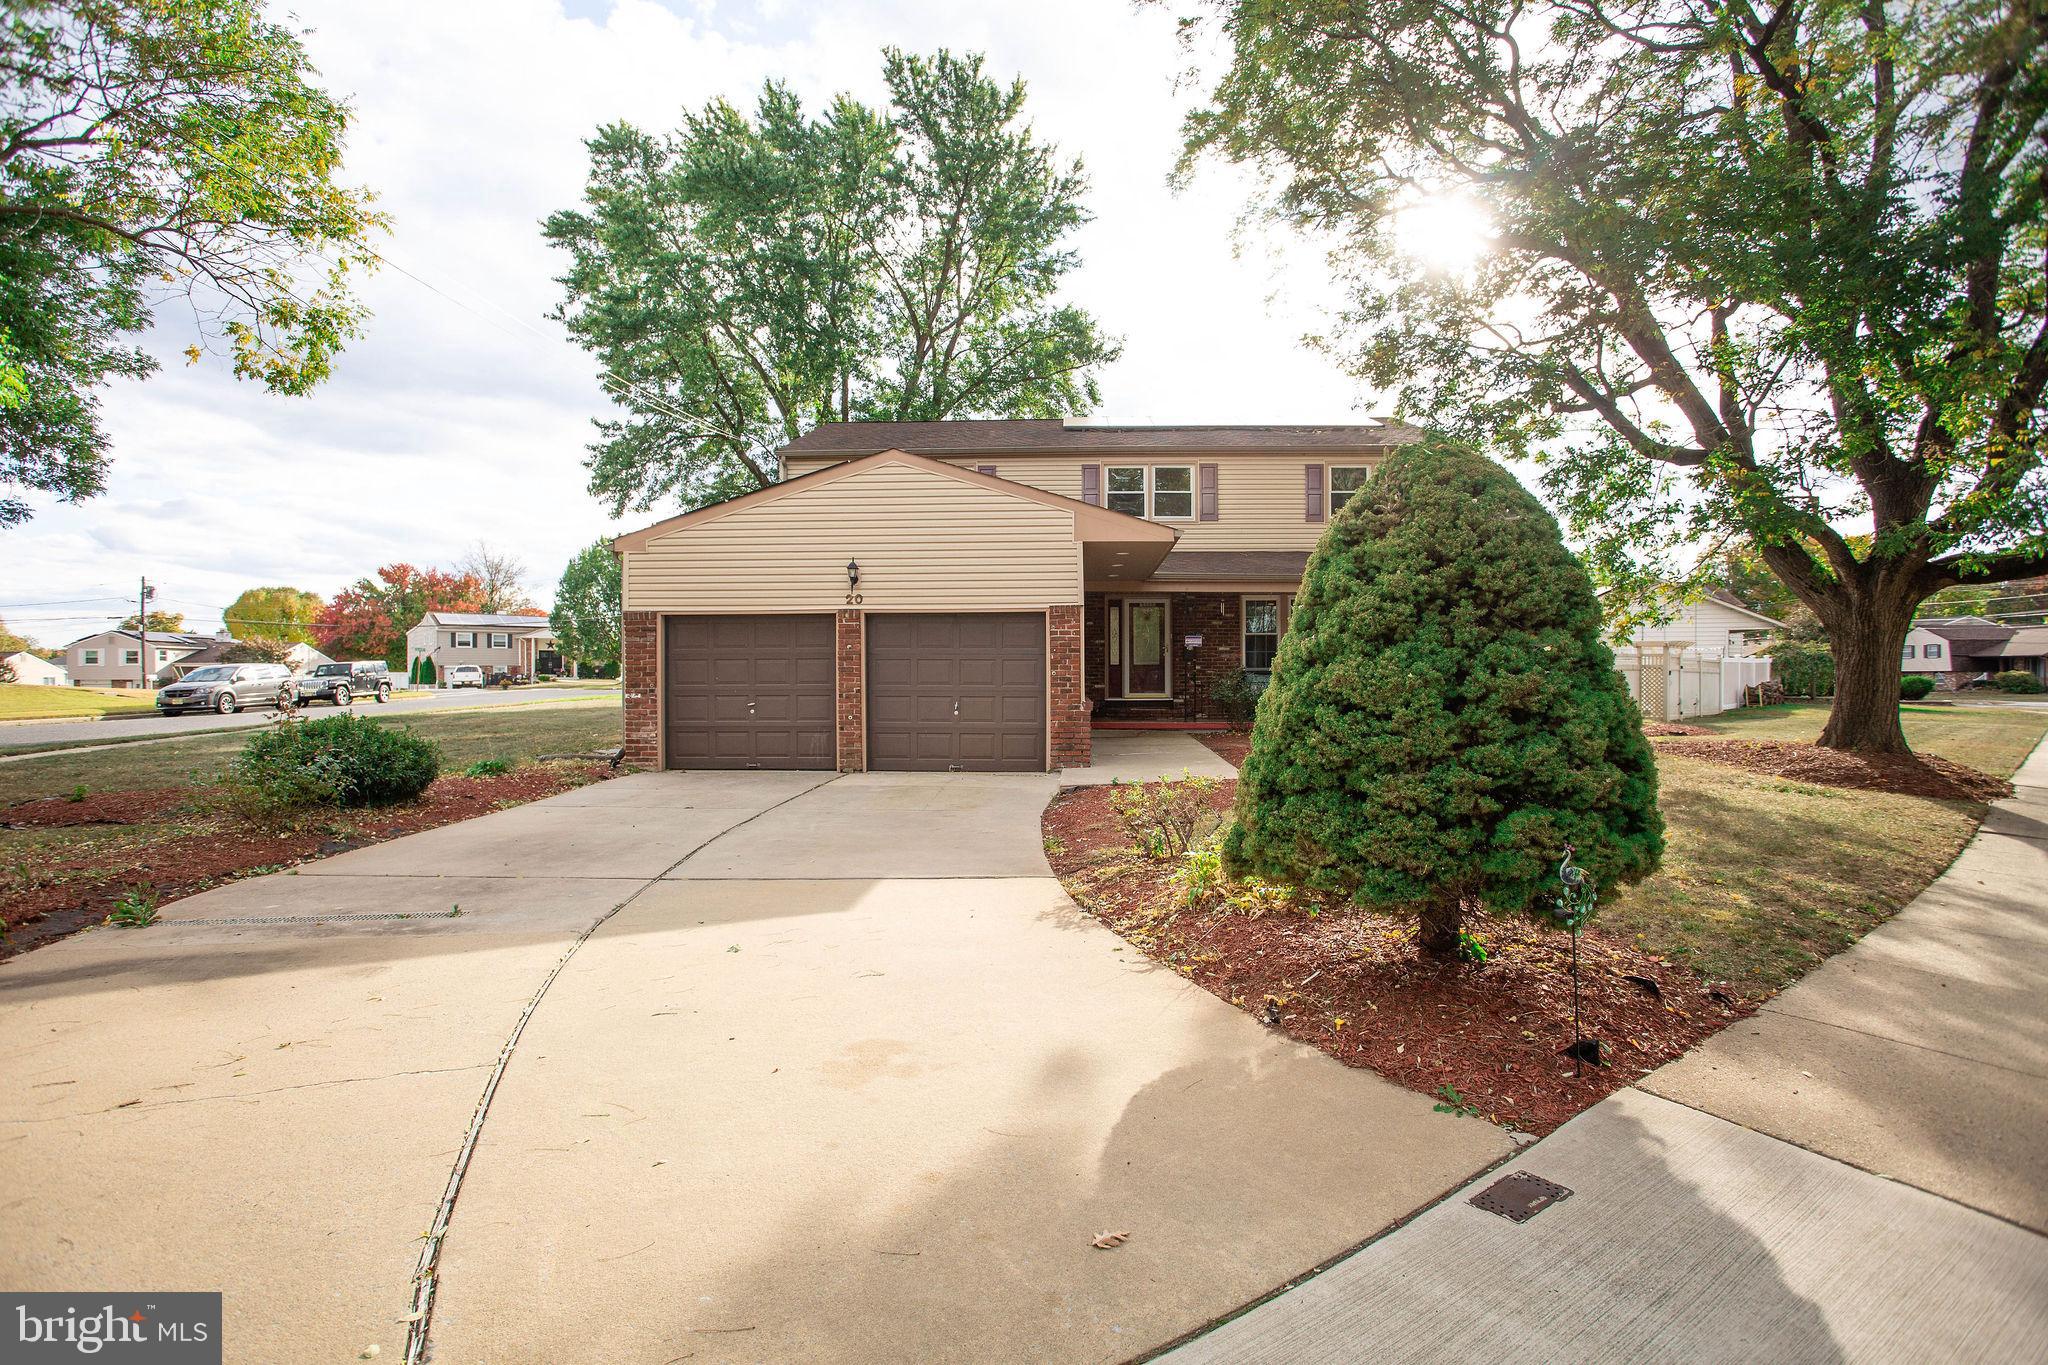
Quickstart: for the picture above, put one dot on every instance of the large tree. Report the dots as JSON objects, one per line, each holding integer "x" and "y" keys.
{"x": 588, "y": 606}
{"x": 1767, "y": 272}
{"x": 369, "y": 618}
{"x": 153, "y": 152}
{"x": 746, "y": 278}
{"x": 161, "y": 622}
{"x": 500, "y": 576}
{"x": 284, "y": 614}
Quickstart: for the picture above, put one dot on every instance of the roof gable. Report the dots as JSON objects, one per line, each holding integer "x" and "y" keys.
{"x": 1090, "y": 522}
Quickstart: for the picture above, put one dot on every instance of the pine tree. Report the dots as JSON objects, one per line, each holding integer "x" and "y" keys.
{"x": 1443, "y": 717}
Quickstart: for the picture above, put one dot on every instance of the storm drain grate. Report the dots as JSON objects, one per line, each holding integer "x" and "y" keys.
{"x": 305, "y": 919}
{"x": 1519, "y": 1197}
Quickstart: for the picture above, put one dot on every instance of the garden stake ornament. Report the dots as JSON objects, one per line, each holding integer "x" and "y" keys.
{"x": 1572, "y": 906}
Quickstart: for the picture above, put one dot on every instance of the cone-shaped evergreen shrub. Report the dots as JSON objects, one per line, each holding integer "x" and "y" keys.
{"x": 1443, "y": 717}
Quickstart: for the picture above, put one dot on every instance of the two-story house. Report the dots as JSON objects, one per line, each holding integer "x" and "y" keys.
{"x": 114, "y": 658}
{"x": 974, "y": 594}
{"x": 496, "y": 642}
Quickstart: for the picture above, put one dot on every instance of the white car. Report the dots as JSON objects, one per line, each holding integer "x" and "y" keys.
{"x": 466, "y": 675}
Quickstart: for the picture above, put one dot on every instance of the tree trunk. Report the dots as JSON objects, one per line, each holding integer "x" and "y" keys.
{"x": 1867, "y": 638}
{"x": 1442, "y": 918}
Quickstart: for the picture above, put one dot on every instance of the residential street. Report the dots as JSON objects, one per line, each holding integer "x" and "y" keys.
{"x": 1854, "y": 1174}
{"x": 840, "y": 1074}
{"x": 81, "y": 732}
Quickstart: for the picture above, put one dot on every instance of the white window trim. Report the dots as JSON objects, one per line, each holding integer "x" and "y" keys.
{"x": 462, "y": 639}
{"x": 1143, "y": 492}
{"x": 131, "y": 656}
{"x": 1331, "y": 505}
{"x": 1244, "y": 621}
{"x": 88, "y": 658}
{"x": 500, "y": 639}
{"x": 1193, "y": 494}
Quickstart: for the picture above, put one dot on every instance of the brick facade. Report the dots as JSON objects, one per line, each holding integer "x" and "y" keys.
{"x": 1067, "y": 695}
{"x": 640, "y": 680}
{"x": 850, "y": 671}
{"x": 1218, "y": 617}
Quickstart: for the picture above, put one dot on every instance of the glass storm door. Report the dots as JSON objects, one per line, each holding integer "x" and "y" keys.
{"x": 1145, "y": 658}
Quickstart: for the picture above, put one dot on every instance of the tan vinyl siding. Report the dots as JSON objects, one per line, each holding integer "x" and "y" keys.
{"x": 925, "y": 542}
{"x": 1258, "y": 497}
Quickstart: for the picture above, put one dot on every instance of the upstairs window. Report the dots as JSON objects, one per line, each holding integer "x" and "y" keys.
{"x": 1344, "y": 481}
{"x": 1933, "y": 651}
{"x": 1909, "y": 652}
{"x": 463, "y": 639}
{"x": 1127, "y": 489}
{"x": 1173, "y": 492}
{"x": 131, "y": 656}
{"x": 90, "y": 656}
{"x": 500, "y": 640}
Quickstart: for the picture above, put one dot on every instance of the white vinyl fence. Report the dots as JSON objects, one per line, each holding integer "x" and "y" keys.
{"x": 1677, "y": 681}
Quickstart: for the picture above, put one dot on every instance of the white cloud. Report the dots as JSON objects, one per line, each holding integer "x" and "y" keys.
{"x": 464, "y": 418}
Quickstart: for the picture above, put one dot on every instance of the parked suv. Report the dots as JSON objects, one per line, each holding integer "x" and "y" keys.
{"x": 226, "y": 688}
{"x": 341, "y": 682}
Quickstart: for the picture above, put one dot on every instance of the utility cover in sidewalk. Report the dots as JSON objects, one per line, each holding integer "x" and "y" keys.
{"x": 1520, "y": 1196}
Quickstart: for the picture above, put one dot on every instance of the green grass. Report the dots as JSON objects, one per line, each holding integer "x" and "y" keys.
{"x": 1990, "y": 739}
{"x": 25, "y": 701}
{"x": 1764, "y": 877}
{"x": 509, "y": 732}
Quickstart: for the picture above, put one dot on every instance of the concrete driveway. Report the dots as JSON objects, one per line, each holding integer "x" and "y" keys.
{"x": 778, "y": 1066}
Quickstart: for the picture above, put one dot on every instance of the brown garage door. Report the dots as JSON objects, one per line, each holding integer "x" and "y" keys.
{"x": 748, "y": 692}
{"x": 965, "y": 690}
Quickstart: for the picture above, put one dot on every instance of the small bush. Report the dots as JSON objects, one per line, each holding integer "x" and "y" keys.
{"x": 1805, "y": 668}
{"x": 135, "y": 910}
{"x": 340, "y": 760}
{"x": 1165, "y": 819}
{"x": 1236, "y": 697}
{"x": 488, "y": 767}
{"x": 1914, "y": 686}
{"x": 1201, "y": 874}
{"x": 2016, "y": 680}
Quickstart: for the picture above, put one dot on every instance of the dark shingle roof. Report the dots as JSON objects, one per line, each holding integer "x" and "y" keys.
{"x": 1258, "y": 564}
{"x": 1053, "y": 435}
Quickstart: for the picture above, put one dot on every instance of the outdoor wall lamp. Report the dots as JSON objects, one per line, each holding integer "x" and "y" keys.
{"x": 852, "y": 574}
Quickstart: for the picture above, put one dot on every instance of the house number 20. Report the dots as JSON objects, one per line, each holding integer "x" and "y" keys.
{"x": 853, "y": 599}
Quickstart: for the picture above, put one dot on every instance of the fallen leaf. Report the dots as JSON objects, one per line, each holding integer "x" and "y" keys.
{"x": 371, "y": 1352}
{"x": 1110, "y": 1240}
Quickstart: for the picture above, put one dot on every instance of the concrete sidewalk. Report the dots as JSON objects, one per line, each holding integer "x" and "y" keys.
{"x": 1755, "y": 1199}
{"x": 1146, "y": 756}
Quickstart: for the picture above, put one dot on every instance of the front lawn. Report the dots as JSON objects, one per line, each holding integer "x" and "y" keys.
{"x": 1990, "y": 739}
{"x": 513, "y": 732}
{"x": 25, "y": 701}
{"x": 1763, "y": 878}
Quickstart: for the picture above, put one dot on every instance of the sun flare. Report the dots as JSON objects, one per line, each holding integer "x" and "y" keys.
{"x": 1446, "y": 232}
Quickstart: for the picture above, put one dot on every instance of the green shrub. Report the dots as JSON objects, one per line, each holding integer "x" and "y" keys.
{"x": 1236, "y": 696}
{"x": 342, "y": 760}
{"x": 1443, "y": 717}
{"x": 2016, "y": 680}
{"x": 1805, "y": 668}
{"x": 488, "y": 767}
{"x": 136, "y": 909}
{"x": 1914, "y": 686}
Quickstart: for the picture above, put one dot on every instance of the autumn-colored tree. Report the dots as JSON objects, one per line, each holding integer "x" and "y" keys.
{"x": 160, "y": 622}
{"x": 369, "y": 618}
{"x": 285, "y": 614}
{"x": 258, "y": 649}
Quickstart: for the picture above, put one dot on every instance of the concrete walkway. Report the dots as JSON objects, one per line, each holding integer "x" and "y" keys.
{"x": 1857, "y": 1173}
{"x": 786, "y": 1067}
{"x": 1146, "y": 756}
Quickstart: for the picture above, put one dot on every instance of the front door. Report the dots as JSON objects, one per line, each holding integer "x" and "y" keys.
{"x": 1145, "y": 651}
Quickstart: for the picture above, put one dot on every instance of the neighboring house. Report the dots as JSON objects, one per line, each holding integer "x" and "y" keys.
{"x": 972, "y": 594}
{"x": 496, "y": 643}
{"x": 298, "y": 658}
{"x": 1955, "y": 650}
{"x": 1718, "y": 621}
{"x": 31, "y": 670}
{"x": 113, "y": 658}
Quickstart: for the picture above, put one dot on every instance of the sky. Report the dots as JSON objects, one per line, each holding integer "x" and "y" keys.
{"x": 462, "y": 414}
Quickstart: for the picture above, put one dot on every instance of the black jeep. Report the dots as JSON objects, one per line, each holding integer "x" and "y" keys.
{"x": 339, "y": 683}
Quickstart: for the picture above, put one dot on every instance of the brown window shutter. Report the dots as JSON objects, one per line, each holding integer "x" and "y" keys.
{"x": 1314, "y": 486}
{"x": 1091, "y": 484}
{"x": 988, "y": 469}
{"x": 1208, "y": 492}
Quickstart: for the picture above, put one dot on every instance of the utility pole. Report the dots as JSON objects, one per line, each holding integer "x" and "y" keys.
{"x": 142, "y": 598}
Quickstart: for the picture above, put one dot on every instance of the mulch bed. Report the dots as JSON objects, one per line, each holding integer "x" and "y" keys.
{"x": 1905, "y": 774}
{"x": 1353, "y": 985}
{"x": 1659, "y": 729}
{"x": 207, "y": 850}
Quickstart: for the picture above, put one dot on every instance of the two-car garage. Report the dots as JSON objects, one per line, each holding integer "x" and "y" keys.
{"x": 944, "y": 691}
